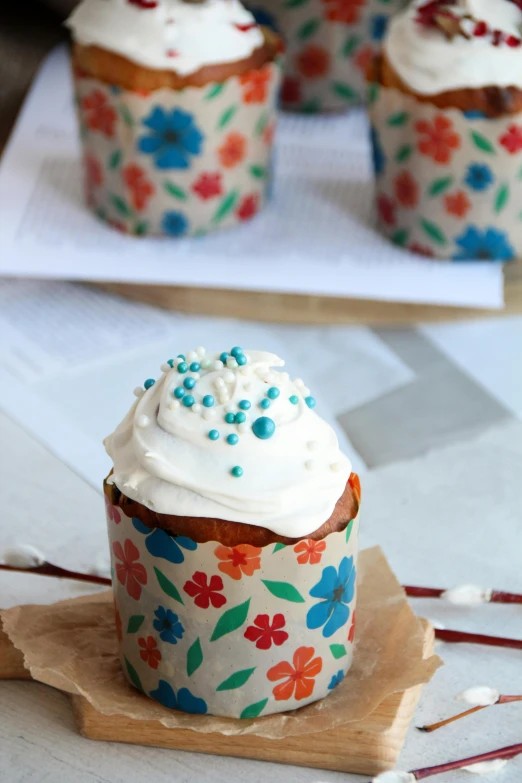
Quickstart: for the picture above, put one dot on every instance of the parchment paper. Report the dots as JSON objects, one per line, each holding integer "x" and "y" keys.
{"x": 72, "y": 645}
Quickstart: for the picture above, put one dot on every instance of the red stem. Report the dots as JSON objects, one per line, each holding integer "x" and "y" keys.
{"x": 497, "y": 596}
{"x": 502, "y": 753}
{"x": 501, "y": 597}
{"x": 477, "y": 638}
{"x": 48, "y": 569}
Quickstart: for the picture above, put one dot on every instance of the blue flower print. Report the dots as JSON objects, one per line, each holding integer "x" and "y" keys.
{"x": 174, "y": 223}
{"x": 378, "y": 156}
{"x": 184, "y": 701}
{"x": 263, "y": 17}
{"x": 336, "y": 679}
{"x": 336, "y": 588}
{"x": 479, "y": 176}
{"x": 378, "y": 27}
{"x": 168, "y": 625}
{"x": 474, "y": 114}
{"x": 174, "y": 138}
{"x": 161, "y": 544}
{"x": 488, "y": 245}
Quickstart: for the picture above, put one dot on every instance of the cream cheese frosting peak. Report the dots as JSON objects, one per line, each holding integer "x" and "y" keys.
{"x": 478, "y": 45}
{"x": 168, "y": 34}
{"x": 227, "y": 436}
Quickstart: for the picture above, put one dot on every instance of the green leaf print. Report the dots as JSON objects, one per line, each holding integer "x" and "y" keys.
{"x": 433, "y": 231}
{"x": 502, "y": 198}
{"x": 261, "y": 124}
{"x": 278, "y": 546}
{"x": 311, "y": 106}
{"x": 308, "y": 29}
{"x": 438, "y": 186}
{"x": 214, "y": 91}
{"x": 349, "y": 528}
{"x": 284, "y": 590}
{"x": 295, "y": 3}
{"x": 482, "y": 142}
{"x": 398, "y": 119}
{"x": 403, "y": 153}
{"x": 350, "y": 46}
{"x": 519, "y": 175}
{"x": 133, "y": 675}
{"x": 175, "y": 191}
{"x": 126, "y": 116}
{"x": 141, "y": 228}
{"x": 400, "y": 237}
{"x": 259, "y": 172}
{"x": 121, "y": 205}
{"x": 253, "y": 710}
{"x": 373, "y": 92}
{"x": 167, "y": 586}
{"x": 135, "y": 623}
{"x": 338, "y": 650}
{"x": 226, "y": 117}
{"x": 230, "y": 620}
{"x": 344, "y": 91}
{"x": 236, "y": 680}
{"x": 194, "y": 657}
{"x": 115, "y": 159}
{"x": 226, "y": 206}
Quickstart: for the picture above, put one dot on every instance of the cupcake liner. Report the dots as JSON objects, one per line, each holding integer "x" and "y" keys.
{"x": 329, "y": 45}
{"x": 178, "y": 162}
{"x": 448, "y": 183}
{"x": 236, "y": 632}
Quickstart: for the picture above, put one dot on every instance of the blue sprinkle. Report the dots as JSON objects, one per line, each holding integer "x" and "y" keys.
{"x": 294, "y": 399}
{"x": 310, "y": 401}
{"x": 179, "y": 392}
{"x": 232, "y": 439}
{"x": 273, "y": 393}
{"x": 245, "y": 405}
{"x": 195, "y": 367}
{"x": 208, "y": 401}
{"x": 264, "y": 404}
{"x": 182, "y": 367}
{"x": 235, "y": 351}
{"x": 149, "y": 382}
{"x": 241, "y": 359}
{"x": 237, "y": 471}
{"x": 189, "y": 383}
{"x": 213, "y": 434}
{"x": 240, "y": 417}
{"x": 224, "y": 356}
{"x": 171, "y": 362}
{"x": 181, "y": 356}
{"x": 188, "y": 400}
{"x": 230, "y": 418}
{"x": 263, "y": 427}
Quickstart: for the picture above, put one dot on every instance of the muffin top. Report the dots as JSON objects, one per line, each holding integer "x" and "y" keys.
{"x": 226, "y": 436}
{"x": 177, "y": 35}
{"x": 440, "y": 45}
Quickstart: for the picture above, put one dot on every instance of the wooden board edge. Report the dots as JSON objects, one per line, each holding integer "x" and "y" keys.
{"x": 12, "y": 666}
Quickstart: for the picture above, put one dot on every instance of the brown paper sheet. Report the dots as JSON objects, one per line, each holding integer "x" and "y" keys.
{"x": 72, "y": 645}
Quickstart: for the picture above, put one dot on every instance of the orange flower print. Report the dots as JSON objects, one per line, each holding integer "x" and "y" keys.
{"x": 347, "y": 11}
{"x": 386, "y": 209}
{"x": 113, "y": 512}
{"x": 140, "y": 187}
{"x": 238, "y": 560}
{"x": 149, "y": 651}
{"x": 299, "y": 678}
{"x": 363, "y": 58}
{"x": 129, "y": 572}
{"x": 313, "y": 62}
{"x": 351, "y": 632}
{"x": 233, "y": 150}
{"x": 118, "y": 623}
{"x": 406, "y": 190}
{"x": 512, "y": 139}
{"x": 457, "y": 204}
{"x": 439, "y": 140}
{"x": 99, "y": 114}
{"x": 355, "y": 484}
{"x": 309, "y": 551}
{"x": 248, "y": 207}
{"x": 255, "y": 85}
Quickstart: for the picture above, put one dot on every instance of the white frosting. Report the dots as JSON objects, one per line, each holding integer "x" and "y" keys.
{"x": 174, "y": 35}
{"x": 467, "y": 595}
{"x": 429, "y": 63}
{"x": 172, "y": 466}
{"x": 479, "y": 696}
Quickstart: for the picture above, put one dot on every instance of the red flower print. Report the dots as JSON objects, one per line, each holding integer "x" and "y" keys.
{"x": 248, "y": 207}
{"x": 233, "y": 150}
{"x": 93, "y": 176}
{"x": 113, "y": 512}
{"x": 355, "y": 484}
{"x": 457, "y": 204}
{"x": 140, "y": 187}
{"x": 118, "y": 225}
{"x": 512, "y": 139}
{"x": 351, "y": 632}
{"x": 313, "y": 62}
{"x": 149, "y": 651}
{"x": 422, "y": 250}
{"x": 268, "y": 133}
{"x": 406, "y": 190}
{"x": 263, "y": 634}
{"x": 256, "y": 85}
{"x": 205, "y": 593}
{"x": 299, "y": 678}
{"x": 363, "y": 58}
{"x": 347, "y": 11}
{"x": 309, "y": 551}
{"x": 118, "y": 623}
{"x": 238, "y": 560}
{"x": 439, "y": 138}
{"x": 129, "y": 571}
{"x": 386, "y": 209}
{"x": 291, "y": 90}
{"x": 208, "y": 185}
{"x": 100, "y": 116}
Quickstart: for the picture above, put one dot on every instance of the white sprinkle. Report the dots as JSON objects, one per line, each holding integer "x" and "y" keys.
{"x": 283, "y": 376}
{"x": 150, "y": 454}
{"x": 336, "y": 466}
{"x": 228, "y": 376}
{"x": 485, "y": 767}
{"x": 246, "y": 370}
{"x": 479, "y": 696}
{"x": 219, "y": 383}
{"x": 467, "y": 595}
{"x": 195, "y": 375}
{"x": 247, "y": 386}
{"x": 23, "y": 556}
{"x": 223, "y": 398}
{"x": 192, "y": 356}
{"x": 299, "y": 382}
{"x": 243, "y": 427}
{"x": 394, "y": 776}
{"x": 178, "y": 360}
{"x": 138, "y": 392}
{"x": 305, "y": 391}
{"x": 174, "y": 405}
{"x": 218, "y": 364}
{"x": 209, "y": 413}
{"x": 165, "y": 367}
{"x": 312, "y": 445}
{"x": 201, "y": 351}
{"x": 229, "y": 408}
{"x": 143, "y": 420}
{"x": 231, "y": 363}
{"x": 309, "y": 464}
{"x": 196, "y": 408}
{"x": 206, "y": 364}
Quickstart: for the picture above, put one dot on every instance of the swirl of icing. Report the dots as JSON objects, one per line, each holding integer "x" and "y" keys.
{"x": 240, "y": 443}
{"x": 168, "y": 34}
{"x": 431, "y": 62}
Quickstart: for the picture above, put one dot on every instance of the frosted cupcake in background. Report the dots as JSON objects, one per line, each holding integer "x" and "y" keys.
{"x": 232, "y": 519}
{"x": 446, "y": 111}
{"x": 176, "y": 104}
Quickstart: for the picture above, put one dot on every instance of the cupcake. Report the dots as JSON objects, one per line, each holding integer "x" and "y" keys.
{"x": 329, "y": 44}
{"x": 232, "y": 519}
{"x": 176, "y": 108}
{"x": 446, "y": 116}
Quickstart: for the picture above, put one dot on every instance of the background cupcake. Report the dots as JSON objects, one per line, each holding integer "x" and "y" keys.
{"x": 232, "y": 520}
{"x": 176, "y": 109}
{"x": 447, "y": 129}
